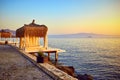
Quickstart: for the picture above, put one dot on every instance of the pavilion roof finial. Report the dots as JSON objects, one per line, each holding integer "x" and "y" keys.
{"x": 33, "y": 21}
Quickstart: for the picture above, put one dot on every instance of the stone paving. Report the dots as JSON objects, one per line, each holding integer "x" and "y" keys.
{"x": 14, "y": 66}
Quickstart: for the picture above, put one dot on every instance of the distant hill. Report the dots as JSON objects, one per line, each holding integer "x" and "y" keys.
{"x": 83, "y": 35}
{"x": 77, "y": 35}
{"x": 8, "y": 30}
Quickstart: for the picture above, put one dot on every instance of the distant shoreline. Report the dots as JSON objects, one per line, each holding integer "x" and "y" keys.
{"x": 84, "y": 35}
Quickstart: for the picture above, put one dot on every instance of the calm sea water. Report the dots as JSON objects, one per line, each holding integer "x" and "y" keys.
{"x": 99, "y": 57}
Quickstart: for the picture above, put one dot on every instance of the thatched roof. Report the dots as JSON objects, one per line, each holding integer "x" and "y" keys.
{"x": 4, "y": 34}
{"x": 32, "y": 30}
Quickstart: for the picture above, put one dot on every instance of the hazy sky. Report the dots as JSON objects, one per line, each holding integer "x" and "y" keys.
{"x": 63, "y": 16}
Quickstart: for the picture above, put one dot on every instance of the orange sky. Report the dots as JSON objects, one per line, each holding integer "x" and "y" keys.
{"x": 63, "y": 17}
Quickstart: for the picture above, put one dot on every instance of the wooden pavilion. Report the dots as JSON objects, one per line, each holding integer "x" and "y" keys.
{"x": 29, "y": 37}
{"x": 4, "y": 34}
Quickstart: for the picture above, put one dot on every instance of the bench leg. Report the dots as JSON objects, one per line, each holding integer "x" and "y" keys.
{"x": 56, "y": 56}
{"x": 48, "y": 56}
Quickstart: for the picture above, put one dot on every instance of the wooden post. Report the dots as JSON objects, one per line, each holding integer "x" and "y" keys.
{"x": 56, "y": 56}
{"x": 45, "y": 42}
{"x": 36, "y": 41}
{"x": 48, "y": 56}
{"x": 39, "y": 41}
{"x": 27, "y": 41}
{"x": 33, "y": 41}
{"x": 16, "y": 40}
{"x": 20, "y": 43}
{"x": 30, "y": 40}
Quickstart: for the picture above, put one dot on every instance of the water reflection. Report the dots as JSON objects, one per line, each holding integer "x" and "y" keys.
{"x": 99, "y": 57}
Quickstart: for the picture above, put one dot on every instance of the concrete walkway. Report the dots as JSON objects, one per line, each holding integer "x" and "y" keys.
{"x": 14, "y": 66}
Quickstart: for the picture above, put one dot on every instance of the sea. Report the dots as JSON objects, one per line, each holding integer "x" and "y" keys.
{"x": 99, "y": 57}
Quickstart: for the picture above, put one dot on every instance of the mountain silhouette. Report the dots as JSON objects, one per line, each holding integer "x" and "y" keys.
{"x": 84, "y": 35}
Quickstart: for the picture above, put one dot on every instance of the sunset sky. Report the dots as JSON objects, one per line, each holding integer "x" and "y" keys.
{"x": 63, "y": 16}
